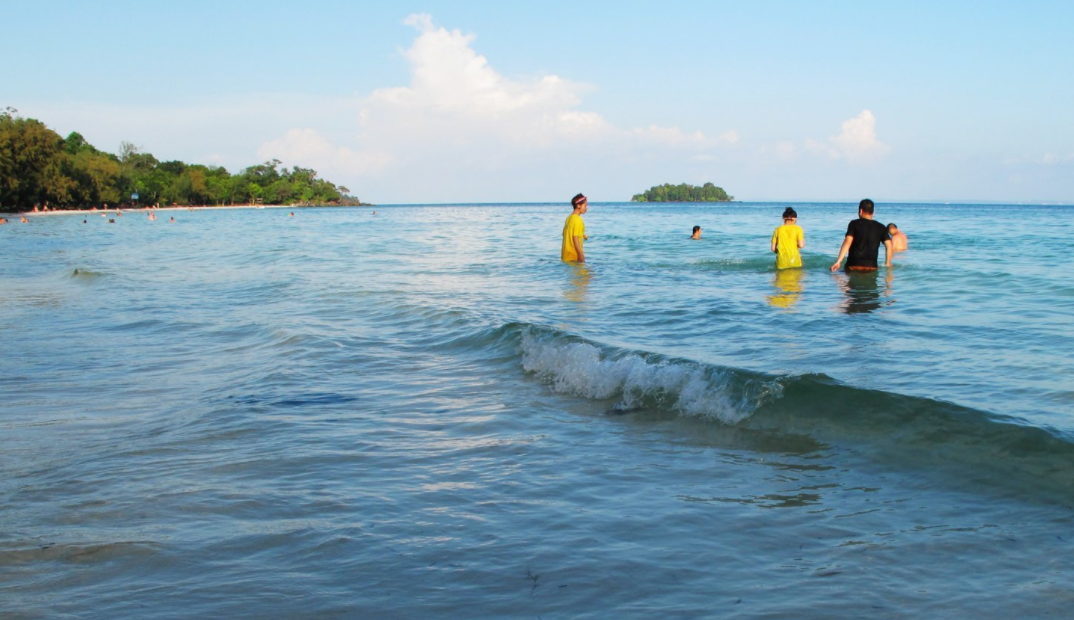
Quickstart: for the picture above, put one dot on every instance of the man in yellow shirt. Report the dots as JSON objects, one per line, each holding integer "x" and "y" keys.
{"x": 787, "y": 240}
{"x": 574, "y": 232}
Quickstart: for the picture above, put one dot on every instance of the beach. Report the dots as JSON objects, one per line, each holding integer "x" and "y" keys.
{"x": 426, "y": 414}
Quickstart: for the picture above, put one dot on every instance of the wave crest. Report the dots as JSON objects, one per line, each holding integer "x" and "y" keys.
{"x": 641, "y": 380}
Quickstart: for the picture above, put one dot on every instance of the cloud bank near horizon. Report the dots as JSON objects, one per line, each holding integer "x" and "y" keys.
{"x": 460, "y": 119}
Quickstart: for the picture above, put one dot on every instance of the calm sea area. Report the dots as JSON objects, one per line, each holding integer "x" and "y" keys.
{"x": 424, "y": 413}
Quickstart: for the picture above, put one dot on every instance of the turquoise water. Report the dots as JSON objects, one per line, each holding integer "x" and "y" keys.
{"x": 423, "y": 413}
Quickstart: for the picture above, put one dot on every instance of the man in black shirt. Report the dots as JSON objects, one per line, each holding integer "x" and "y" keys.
{"x": 862, "y": 243}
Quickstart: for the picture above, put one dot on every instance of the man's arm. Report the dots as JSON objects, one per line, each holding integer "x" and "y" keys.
{"x": 578, "y": 248}
{"x": 887, "y": 252}
{"x": 843, "y": 252}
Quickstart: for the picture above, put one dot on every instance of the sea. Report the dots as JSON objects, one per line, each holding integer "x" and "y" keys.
{"x": 419, "y": 411}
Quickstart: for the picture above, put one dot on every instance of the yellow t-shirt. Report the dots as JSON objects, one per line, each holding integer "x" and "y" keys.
{"x": 786, "y": 239}
{"x": 573, "y": 227}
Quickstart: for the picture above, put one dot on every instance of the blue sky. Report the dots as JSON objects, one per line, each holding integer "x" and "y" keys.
{"x": 531, "y": 101}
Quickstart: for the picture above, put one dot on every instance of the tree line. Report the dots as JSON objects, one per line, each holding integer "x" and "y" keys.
{"x": 38, "y": 167}
{"x": 683, "y": 193}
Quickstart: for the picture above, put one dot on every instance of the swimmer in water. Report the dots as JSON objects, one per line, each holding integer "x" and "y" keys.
{"x": 899, "y": 242}
{"x": 697, "y": 233}
{"x": 574, "y": 232}
{"x": 787, "y": 240}
{"x": 862, "y": 241}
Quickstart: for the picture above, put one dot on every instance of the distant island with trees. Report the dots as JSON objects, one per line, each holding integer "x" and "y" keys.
{"x": 38, "y": 167}
{"x": 683, "y": 193}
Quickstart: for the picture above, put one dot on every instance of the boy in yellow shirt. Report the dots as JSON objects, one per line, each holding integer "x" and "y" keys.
{"x": 787, "y": 240}
{"x": 574, "y": 231}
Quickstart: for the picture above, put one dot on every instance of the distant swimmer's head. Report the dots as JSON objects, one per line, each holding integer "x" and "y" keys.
{"x": 789, "y": 214}
{"x": 696, "y": 233}
{"x": 866, "y": 206}
{"x": 580, "y": 203}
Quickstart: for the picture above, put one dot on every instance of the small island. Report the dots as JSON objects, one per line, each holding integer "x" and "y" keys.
{"x": 683, "y": 193}
{"x": 38, "y": 167}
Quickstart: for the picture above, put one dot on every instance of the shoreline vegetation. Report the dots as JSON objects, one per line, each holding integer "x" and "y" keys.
{"x": 152, "y": 209}
{"x": 42, "y": 172}
{"x": 683, "y": 193}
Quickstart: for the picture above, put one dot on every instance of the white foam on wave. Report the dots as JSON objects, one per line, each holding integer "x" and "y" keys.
{"x": 582, "y": 369}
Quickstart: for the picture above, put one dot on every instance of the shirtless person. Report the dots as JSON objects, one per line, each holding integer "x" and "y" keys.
{"x": 697, "y": 233}
{"x": 862, "y": 242}
{"x": 574, "y": 232}
{"x": 898, "y": 239}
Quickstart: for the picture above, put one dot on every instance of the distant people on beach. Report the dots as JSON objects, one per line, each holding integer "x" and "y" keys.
{"x": 899, "y": 242}
{"x": 574, "y": 232}
{"x": 862, "y": 242}
{"x": 697, "y": 233}
{"x": 787, "y": 240}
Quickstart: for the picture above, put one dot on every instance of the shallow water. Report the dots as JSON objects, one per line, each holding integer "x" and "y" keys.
{"x": 424, "y": 414}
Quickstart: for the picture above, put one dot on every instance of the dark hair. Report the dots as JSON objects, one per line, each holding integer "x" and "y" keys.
{"x": 697, "y": 228}
{"x": 577, "y": 199}
{"x": 892, "y": 225}
{"x": 866, "y": 206}
{"x": 788, "y": 213}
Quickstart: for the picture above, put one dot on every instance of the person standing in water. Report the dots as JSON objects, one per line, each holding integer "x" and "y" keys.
{"x": 787, "y": 240}
{"x": 899, "y": 242}
{"x": 862, "y": 242}
{"x": 574, "y": 232}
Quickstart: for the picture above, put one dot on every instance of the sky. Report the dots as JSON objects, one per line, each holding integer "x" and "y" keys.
{"x": 530, "y": 101}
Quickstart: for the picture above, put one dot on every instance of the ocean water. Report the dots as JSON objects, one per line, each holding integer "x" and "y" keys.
{"x": 423, "y": 413}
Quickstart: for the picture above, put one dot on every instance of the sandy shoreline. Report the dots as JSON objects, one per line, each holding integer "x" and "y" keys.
{"x": 10, "y": 214}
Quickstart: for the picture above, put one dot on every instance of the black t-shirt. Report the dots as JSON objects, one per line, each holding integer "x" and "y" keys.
{"x": 868, "y": 235}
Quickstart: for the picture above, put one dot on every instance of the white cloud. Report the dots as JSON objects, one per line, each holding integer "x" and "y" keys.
{"x": 459, "y": 117}
{"x": 314, "y": 150}
{"x": 857, "y": 142}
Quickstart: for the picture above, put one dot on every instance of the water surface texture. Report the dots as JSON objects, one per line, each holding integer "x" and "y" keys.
{"x": 423, "y": 413}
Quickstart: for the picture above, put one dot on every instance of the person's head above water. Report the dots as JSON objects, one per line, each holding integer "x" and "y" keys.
{"x": 866, "y": 207}
{"x": 789, "y": 214}
{"x": 696, "y": 233}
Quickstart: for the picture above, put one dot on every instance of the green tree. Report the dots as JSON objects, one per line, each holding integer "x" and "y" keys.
{"x": 95, "y": 177}
{"x": 31, "y": 163}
